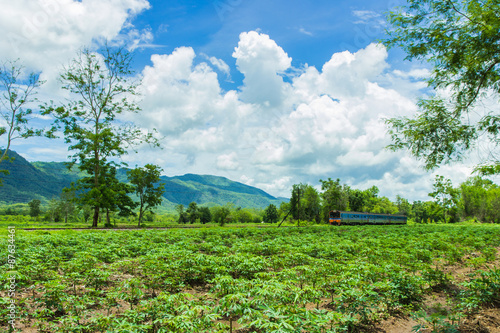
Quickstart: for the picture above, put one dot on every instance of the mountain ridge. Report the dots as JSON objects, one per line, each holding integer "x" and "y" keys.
{"x": 45, "y": 180}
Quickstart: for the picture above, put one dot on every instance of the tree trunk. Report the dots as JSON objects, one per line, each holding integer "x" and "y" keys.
{"x": 141, "y": 213}
{"x": 95, "y": 219}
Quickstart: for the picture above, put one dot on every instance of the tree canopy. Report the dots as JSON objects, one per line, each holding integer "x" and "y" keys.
{"x": 460, "y": 39}
{"x": 103, "y": 88}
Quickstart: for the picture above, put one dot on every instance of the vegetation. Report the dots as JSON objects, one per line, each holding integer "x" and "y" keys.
{"x": 18, "y": 90}
{"x": 460, "y": 39}
{"x": 103, "y": 89}
{"x": 145, "y": 186}
{"x": 318, "y": 279}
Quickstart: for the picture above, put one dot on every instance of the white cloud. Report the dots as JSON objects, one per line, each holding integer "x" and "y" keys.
{"x": 324, "y": 123}
{"x": 228, "y": 161}
{"x": 47, "y": 34}
{"x": 270, "y": 132}
{"x": 305, "y": 32}
{"x": 220, "y": 65}
{"x": 261, "y": 60}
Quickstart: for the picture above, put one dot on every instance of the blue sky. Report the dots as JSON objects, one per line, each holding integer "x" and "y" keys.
{"x": 268, "y": 93}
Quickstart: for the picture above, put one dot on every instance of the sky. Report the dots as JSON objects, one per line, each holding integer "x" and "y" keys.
{"x": 267, "y": 93}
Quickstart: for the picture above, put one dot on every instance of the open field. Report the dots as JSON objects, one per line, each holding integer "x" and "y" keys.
{"x": 441, "y": 278}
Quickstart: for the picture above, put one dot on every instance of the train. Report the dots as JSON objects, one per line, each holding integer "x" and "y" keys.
{"x": 337, "y": 217}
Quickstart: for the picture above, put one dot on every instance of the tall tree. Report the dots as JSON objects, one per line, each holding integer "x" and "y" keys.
{"x": 18, "y": 91}
{"x": 146, "y": 185}
{"x": 103, "y": 88}
{"x": 461, "y": 41}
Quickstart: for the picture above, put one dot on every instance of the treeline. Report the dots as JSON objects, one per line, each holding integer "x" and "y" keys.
{"x": 223, "y": 214}
{"x": 475, "y": 199}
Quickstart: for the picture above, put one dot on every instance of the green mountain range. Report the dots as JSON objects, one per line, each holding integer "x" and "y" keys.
{"x": 45, "y": 180}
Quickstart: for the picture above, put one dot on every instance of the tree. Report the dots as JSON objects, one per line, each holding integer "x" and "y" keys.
{"x": 18, "y": 92}
{"x": 444, "y": 194}
{"x": 271, "y": 214}
{"x": 310, "y": 204}
{"x": 461, "y": 41}
{"x": 102, "y": 86}
{"x": 146, "y": 185}
{"x": 66, "y": 206}
{"x": 192, "y": 212}
{"x": 244, "y": 216}
{"x": 334, "y": 196}
{"x": 205, "y": 215}
{"x": 182, "y": 214}
{"x": 220, "y": 214}
{"x": 404, "y": 206}
{"x": 34, "y": 207}
{"x": 305, "y": 203}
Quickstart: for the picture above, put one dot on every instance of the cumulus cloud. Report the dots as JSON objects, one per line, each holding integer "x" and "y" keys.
{"x": 321, "y": 123}
{"x": 262, "y": 61}
{"x": 47, "y": 34}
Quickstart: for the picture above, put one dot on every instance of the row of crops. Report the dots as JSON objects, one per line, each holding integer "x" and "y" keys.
{"x": 315, "y": 279}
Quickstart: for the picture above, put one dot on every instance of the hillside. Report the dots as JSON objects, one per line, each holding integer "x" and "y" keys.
{"x": 45, "y": 180}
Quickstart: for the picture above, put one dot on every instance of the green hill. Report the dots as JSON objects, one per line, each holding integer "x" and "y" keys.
{"x": 45, "y": 180}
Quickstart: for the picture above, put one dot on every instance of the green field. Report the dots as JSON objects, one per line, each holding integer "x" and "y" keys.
{"x": 308, "y": 279}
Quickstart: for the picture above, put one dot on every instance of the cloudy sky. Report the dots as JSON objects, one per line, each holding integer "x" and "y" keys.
{"x": 268, "y": 93}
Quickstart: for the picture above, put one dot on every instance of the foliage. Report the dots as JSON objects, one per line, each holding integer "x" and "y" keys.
{"x": 220, "y": 214}
{"x": 460, "y": 40}
{"x": 271, "y": 214}
{"x": 334, "y": 196}
{"x": 35, "y": 207}
{"x": 17, "y": 93}
{"x": 103, "y": 89}
{"x": 312, "y": 279}
{"x": 145, "y": 182}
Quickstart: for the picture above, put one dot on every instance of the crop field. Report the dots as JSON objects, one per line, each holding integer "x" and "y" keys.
{"x": 429, "y": 278}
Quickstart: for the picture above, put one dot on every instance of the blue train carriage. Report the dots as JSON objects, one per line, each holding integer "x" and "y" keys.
{"x": 337, "y": 217}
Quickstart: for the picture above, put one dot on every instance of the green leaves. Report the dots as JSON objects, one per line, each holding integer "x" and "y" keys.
{"x": 317, "y": 279}
{"x": 102, "y": 88}
{"x": 435, "y": 135}
{"x": 460, "y": 39}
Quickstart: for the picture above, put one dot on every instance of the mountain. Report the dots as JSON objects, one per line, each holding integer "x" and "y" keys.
{"x": 45, "y": 180}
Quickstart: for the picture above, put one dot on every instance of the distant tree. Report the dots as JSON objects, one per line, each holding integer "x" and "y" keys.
{"x": 244, "y": 216}
{"x": 183, "y": 218}
{"x": 220, "y": 214}
{"x": 102, "y": 87}
{"x": 311, "y": 204}
{"x": 205, "y": 215}
{"x": 54, "y": 210}
{"x": 357, "y": 200}
{"x": 297, "y": 202}
{"x": 17, "y": 93}
{"x": 192, "y": 212}
{"x": 146, "y": 185}
{"x": 284, "y": 209}
{"x": 478, "y": 197}
{"x": 404, "y": 206}
{"x": 66, "y": 205}
{"x": 334, "y": 196}
{"x": 34, "y": 207}
{"x": 444, "y": 194}
{"x": 271, "y": 214}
